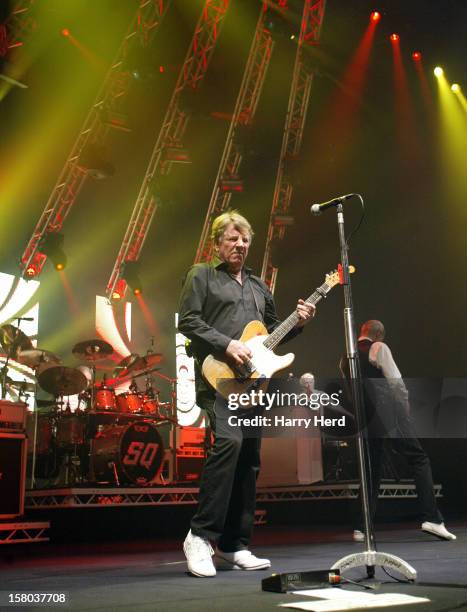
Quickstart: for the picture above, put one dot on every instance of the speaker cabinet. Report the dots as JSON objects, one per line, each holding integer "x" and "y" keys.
{"x": 13, "y": 453}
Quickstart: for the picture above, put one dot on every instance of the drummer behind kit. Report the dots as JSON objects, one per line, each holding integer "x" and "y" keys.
{"x": 111, "y": 438}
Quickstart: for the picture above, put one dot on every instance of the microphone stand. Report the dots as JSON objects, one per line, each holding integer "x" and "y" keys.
{"x": 370, "y": 557}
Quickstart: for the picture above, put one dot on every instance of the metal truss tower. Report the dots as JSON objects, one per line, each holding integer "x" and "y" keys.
{"x": 243, "y": 115}
{"x": 312, "y": 19}
{"x": 169, "y": 141}
{"x": 108, "y": 104}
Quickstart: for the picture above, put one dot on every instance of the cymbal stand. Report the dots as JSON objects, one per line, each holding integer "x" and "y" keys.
{"x": 93, "y": 384}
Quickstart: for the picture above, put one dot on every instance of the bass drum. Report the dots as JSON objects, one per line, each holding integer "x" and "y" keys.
{"x": 127, "y": 454}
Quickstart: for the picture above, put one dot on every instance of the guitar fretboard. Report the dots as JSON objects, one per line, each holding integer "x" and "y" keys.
{"x": 283, "y": 329}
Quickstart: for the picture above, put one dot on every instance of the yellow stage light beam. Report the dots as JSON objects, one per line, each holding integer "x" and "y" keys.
{"x": 453, "y": 136}
{"x": 456, "y": 88}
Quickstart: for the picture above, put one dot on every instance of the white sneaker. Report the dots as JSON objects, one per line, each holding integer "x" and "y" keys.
{"x": 198, "y": 553}
{"x": 358, "y": 536}
{"x": 439, "y": 530}
{"x": 240, "y": 560}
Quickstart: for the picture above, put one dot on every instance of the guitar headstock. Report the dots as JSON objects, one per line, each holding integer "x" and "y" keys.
{"x": 334, "y": 278}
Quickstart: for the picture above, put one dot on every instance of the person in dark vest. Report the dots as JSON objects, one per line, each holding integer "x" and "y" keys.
{"x": 388, "y": 422}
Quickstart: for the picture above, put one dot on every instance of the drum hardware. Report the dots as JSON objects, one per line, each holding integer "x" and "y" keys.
{"x": 92, "y": 350}
{"x": 70, "y": 471}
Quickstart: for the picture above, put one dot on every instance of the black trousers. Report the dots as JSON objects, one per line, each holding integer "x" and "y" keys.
{"x": 406, "y": 444}
{"x": 227, "y": 495}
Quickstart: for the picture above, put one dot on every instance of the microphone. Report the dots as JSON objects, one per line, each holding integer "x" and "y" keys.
{"x": 317, "y": 209}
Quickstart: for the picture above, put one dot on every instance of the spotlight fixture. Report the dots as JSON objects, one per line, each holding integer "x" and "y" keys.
{"x": 394, "y": 38}
{"x": 130, "y": 273}
{"x": 94, "y": 160}
{"x": 375, "y": 16}
{"x": 116, "y": 295}
{"x": 52, "y": 246}
{"x": 416, "y": 56}
{"x": 455, "y": 87}
{"x": 31, "y": 271}
{"x": 231, "y": 183}
{"x": 65, "y": 32}
{"x": 283, "y": 220}
{"x": 438, "y": 71}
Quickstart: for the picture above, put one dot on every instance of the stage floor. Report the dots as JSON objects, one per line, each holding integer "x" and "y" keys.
{"x": 152, "y": 575}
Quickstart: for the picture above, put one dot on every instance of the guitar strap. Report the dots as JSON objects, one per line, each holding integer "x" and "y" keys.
{"x": 254, "y": 297}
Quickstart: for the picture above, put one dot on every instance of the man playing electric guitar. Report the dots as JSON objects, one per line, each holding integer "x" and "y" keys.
{"x": 218, "y": 300}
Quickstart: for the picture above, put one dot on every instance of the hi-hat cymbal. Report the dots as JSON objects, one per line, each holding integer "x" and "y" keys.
{"x": 92, "y": 350}
{"x": 60, "y": 380}
{"x": 35, "y": 357}
{"x": 13, "y": 339}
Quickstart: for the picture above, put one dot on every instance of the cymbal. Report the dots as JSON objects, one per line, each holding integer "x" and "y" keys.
{"x": 92, "y": 350}
{"x": 125, "y": 366}
{"x": 61, "y": 380}
{"x": 35, "y": 357}
{"x": 21, "y": 385}
{"x": 148, "y": 361}
{"x": 12, "y": 339}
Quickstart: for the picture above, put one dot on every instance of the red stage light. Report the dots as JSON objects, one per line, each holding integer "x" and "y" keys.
{"x": 161, "y": 69}
{"x": 416, "y": 56}
{"x": 375, "y": 16}
{"x": 116, "y": 295}
{"x": 394, "y": 37}
{"x": 137, "y": 291}
{"x": 30, "y": 271}
{"x": 66, "y": 32}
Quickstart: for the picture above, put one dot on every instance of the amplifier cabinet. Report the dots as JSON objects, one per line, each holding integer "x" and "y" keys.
{"x": 13, "y": 453}
{"x": 12, "y": 416}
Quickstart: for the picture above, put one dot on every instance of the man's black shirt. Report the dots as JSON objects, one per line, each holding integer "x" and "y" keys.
{"x": 214, "y": 307}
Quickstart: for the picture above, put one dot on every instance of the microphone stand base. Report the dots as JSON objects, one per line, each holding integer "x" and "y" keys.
{"x": 371, "y": 559}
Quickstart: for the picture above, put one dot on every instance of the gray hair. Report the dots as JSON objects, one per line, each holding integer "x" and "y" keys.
{"x": 220, "y": 224}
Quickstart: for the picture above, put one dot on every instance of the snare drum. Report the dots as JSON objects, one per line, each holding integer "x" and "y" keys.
{"x": 130, "y": 402}
{"x": 104, "y": 399}
{"x": 129, "y": 454}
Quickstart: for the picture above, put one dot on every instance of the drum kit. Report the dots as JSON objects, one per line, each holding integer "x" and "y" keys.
{"x": 110, "y": 437}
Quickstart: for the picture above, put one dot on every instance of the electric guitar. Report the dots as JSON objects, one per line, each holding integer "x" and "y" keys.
{"x": 227, "y": 378}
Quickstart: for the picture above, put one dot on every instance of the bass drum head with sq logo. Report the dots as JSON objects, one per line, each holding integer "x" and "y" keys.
{"x": 129, "y": 454}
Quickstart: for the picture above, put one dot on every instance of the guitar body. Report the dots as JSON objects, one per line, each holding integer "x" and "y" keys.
{"x": 225, "y": 380}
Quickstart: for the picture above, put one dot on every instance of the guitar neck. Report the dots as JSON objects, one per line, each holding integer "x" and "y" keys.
{"x": 283, "y": 329}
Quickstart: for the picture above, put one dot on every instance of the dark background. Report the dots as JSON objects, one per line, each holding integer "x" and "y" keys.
{"x": 409, "y": 253}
